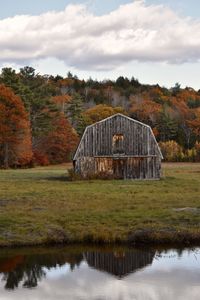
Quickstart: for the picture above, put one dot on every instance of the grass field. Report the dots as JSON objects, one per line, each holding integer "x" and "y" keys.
{"x": 40, "y": 206}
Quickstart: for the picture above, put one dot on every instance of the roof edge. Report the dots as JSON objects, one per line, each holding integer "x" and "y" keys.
{"x": 122, "y": 115}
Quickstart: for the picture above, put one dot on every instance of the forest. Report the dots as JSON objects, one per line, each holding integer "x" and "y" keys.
{"x": 42, "y": 117}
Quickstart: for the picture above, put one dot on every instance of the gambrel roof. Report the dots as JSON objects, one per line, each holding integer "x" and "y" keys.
{"x": 138, "y": 138}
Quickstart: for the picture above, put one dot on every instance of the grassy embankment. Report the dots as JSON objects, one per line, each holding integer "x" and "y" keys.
{"x": 40, "y": 206}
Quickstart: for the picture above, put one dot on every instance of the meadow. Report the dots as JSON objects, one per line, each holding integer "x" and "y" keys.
{"x": 41, "y": 206}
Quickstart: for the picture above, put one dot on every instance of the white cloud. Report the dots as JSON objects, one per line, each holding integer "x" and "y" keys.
{"x": 133, "y": 32}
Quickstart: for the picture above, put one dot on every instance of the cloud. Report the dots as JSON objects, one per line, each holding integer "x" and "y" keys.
{"x": 133, "y": 32}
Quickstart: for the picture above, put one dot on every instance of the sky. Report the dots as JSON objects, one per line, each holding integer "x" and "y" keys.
{"x": 155, "y": 41}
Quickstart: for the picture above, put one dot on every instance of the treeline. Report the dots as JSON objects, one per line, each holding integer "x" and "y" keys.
{"x": 42, "y": 117}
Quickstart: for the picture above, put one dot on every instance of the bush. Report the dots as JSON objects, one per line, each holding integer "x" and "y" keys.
{"x": 172, "y": 151}
{"x": 73, "y": 176}
{"x": 197, "y": 148}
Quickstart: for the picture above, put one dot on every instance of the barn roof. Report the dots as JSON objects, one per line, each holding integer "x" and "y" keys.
{"x": 111, "y": 117}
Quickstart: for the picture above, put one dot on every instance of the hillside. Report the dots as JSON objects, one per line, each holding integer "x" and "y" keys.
{"x": 57, "y": 109}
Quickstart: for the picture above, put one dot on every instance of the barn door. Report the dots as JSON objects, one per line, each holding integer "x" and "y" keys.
{"x": 119, "y": 168}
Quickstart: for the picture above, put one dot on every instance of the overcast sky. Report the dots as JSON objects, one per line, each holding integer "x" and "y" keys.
{"x": 155, "y": 41}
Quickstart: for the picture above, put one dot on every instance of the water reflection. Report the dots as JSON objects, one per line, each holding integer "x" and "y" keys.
{"x": 29, "y": 269}
{"x": 92, "y": 273}
{"x": 119, "y": 263}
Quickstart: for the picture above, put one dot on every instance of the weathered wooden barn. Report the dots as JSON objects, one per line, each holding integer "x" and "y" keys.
{"x": 118, "y": 147}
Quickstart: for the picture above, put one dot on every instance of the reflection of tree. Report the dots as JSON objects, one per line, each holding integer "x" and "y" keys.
{"x": 29, "y": 275}
{"x": 119, "y": 264}
{"x": 29, "y": 270}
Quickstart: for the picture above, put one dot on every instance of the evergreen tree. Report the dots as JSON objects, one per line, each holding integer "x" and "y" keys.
{"x": 75, "y": 113}
{"x": 167, "y": 127}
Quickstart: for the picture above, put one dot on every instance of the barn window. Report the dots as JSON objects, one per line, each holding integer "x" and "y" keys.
{"x": 118, "y": 144}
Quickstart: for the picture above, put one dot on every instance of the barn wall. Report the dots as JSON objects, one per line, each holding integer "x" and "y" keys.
{"x": 123, "y": 168}
{"x": 136, "y": 156}
{"x": 97, "y": 140}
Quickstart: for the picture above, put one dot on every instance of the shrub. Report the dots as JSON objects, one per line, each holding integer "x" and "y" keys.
{"x": 172, "y": 151}
{"x": 73, "y": 176}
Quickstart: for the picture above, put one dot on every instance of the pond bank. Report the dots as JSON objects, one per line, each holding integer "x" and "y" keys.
{"x": 138, "y": 238}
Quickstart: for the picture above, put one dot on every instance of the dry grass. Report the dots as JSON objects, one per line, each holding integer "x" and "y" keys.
{"x": 40, "y": 206}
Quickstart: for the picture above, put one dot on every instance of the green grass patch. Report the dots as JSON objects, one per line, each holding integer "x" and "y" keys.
{"x": 40, "y": 206}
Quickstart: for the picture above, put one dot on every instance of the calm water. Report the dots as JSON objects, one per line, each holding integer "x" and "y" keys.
{"x": 100, "y": 274}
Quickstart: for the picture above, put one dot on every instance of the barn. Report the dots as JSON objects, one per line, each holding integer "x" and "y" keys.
{"x": 118, "y": 147}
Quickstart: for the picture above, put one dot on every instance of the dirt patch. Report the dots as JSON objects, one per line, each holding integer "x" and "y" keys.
{"x": 38, "y": 209}
{"x": 4, "y": 202}
{"x": 187, "y": 209}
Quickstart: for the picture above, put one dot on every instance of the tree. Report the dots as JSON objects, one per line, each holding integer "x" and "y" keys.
{"x": 167, "y": 127}
{"x": 10, "y": 79}
{"x": 40, "y": 106}
{"x": 194, "y": 124}
{"x": 122, "y": 82}
{"x": 66, "y": 85}
{"x": 15, "y": 138}
{"x": 75, "y": 110}
{"x": 176, "y": 89}
{"x": 62, "y": 102}
{"x": 59, "y": 144}
{"x": 100, "y": 112}
{"x": 145, "y": 110}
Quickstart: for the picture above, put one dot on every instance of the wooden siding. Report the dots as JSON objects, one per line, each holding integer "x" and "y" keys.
{"x": 120, "y": 168}
{"x": 140, "y": 157}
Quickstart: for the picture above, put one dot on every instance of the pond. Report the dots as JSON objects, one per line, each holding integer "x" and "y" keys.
{"x": 92, "y": 273}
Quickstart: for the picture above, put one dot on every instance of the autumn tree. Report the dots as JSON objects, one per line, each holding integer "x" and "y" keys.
{"x": 171, "y": 151}
{"x": 100, "y": 112}
{"x": 59, "y": 143}
{"x": 62, "y": 102}
{"x": 36, "y": 92}
{"x": 15, "y": 138}
{"x": 144, "y": 109}
{"x": 194, "y": 124}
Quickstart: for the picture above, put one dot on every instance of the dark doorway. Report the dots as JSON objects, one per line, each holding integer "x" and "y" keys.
{"x": 119, "y": 168}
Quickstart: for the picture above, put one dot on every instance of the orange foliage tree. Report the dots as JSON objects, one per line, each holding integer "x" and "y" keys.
{"x": 100, "y": 112}
{"x": 15, "y": 138}
{"x": 194, "y": 124}
{"x": 143, "y": 108}
{"x": 59, "y": 143}
{"x": 61, "y": 101}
